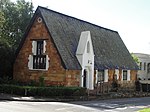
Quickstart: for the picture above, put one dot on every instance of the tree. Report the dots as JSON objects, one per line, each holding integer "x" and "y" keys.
{"x": 135, "y": 58}
{"x": 14, "y": 18}
{"x": 17, "y": 16}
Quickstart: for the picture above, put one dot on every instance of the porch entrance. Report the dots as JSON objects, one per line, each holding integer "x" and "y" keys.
{"x": 84, "y": 78}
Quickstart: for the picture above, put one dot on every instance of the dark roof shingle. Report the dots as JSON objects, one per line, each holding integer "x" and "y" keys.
{"x": 110, "y": 51}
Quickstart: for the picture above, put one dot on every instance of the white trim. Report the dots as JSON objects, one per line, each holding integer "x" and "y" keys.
{"x": 30, "y": 62}
{"x": 47, "y": 62}
{"x": 96, "y": 76}
{"x": 106, "y": 75}
{"x": 117, "y": 73}
{"x": 85, "y": 59}
{"x": 121, "y": 75}
{"x": 128, "y": 75}
{"x": 44, "y": 46}
{"x": 34, "y": 46}
{"x": 87, "y": 78}
{"x": 91, "y": 78}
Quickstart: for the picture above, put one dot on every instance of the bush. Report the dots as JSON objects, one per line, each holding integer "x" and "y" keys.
{"x": 146, "y": 87}
{"x": 42, "y": 91}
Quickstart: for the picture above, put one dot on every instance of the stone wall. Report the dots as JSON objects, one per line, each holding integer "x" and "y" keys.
{"x": 56, "y": 74}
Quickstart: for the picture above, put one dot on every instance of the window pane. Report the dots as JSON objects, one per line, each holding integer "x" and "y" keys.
{"x": 39, "y": 62}
{"x": 125, "y": 75}
{"x": 148, "y": 68}
{"x": 39, "y": 47}
{"x": 144, "y": 66}
{"x": 101, "y": 75}
{"x": 140, "y": 66}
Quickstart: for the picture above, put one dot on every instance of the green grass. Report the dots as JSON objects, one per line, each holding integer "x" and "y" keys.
{"x": 145, "y": 110}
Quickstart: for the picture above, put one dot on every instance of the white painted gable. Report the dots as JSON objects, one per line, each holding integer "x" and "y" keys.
{"x": 85, "y": 56}
{"x": 85, "y": 49}
{"x": 85, "y": 37}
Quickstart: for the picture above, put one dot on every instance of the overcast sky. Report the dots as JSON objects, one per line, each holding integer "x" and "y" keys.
{"x": 131, "y": 18}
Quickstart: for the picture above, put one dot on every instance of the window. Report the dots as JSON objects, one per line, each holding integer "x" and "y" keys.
{"x": 140, "y": 66}
{"x": 100, "y": 76}
{"x": 38, "y": 60}
{"x": 39, "y": 50}
{"x": 144, "y": 65}
{"x": 88, "y": 47}
{"x": 148, "y": 68}
{"x": 124, "y": 74}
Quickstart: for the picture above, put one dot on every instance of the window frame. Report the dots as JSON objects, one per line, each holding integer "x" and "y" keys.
{"x": 43, "y": 53}
{"x": 148, "y": 68}
{"x": 140, "y": 65}
{"x": 39, "y": 58}
{"x": 144, "y": 65}
{"x": 125, "y": 75}
{"x": 40, "y": 47}
{"x": 101, "y": 76}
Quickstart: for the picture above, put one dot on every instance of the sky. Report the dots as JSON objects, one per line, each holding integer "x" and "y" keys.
{"x": 130, "y": 18}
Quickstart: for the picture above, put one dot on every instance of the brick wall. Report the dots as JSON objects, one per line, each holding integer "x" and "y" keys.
{"x": 124, "y": 84}
{"x": 56, "y": 74}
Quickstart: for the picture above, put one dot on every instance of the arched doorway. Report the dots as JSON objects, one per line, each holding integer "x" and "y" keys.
{"x": 84, "y": 78}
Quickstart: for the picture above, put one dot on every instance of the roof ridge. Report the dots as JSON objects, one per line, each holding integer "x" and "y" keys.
{"x": 76, "y": 18}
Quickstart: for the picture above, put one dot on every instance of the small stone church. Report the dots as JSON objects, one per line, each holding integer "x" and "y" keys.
{"x": 68, "y": 51}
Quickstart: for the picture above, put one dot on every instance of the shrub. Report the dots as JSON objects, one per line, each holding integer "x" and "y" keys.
{"x": 42, "y": 91}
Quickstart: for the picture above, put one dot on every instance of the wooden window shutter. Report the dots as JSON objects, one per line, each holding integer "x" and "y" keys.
{"x": 34, "y": 47}
{"x": 128, "y": 75}
{"x": 117, "y": 73}
{"x": 106, "y": 75}
{"x": 47, "y": 62}
{"x": 44, "y": 46}
{"x": 30, "y": 62}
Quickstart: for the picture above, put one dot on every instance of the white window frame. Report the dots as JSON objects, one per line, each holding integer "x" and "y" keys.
{"x": 30, "y": 58}
{"x": 128, "y": 75}
{"x": 117, "y": 73}
{"x": 106, "y": 75}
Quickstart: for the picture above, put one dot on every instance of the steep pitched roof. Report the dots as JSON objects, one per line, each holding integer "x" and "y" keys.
{"x": 109, "y": 49}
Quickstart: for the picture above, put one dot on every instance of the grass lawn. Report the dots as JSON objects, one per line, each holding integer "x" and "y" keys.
{"x": 145, "y": 110}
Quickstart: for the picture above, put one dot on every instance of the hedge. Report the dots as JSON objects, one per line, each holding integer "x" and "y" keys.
{"x": 146, "y": 87}
{"x": 42, "y": 91}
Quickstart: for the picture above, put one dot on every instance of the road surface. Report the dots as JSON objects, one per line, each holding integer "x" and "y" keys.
{"x": 113, "y": 105}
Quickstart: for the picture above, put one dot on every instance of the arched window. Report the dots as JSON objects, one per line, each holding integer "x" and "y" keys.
{"x": 88, "y": 47}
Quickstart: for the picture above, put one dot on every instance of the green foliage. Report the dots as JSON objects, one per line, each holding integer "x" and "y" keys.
{"x": 17, "y": 16}
{"x": 145, "y": 110}
{"x": 14, "y": 18}
{"x": 135, "y": 58}
{"x": 6, "y": 56}
{"x": 41, "y": 80}
{"x": 2, "y": 19}
{"x": 43, "y": 91}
